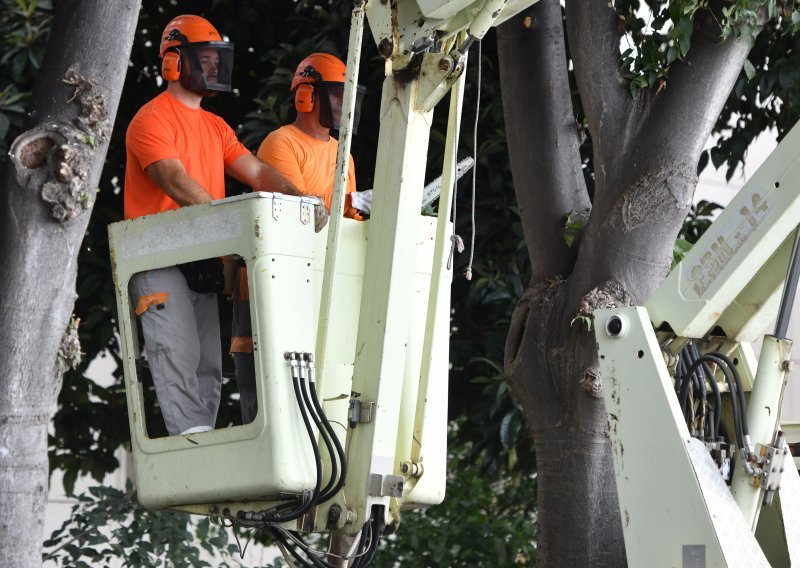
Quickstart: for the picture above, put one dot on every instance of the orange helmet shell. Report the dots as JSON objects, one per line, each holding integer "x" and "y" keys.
{"x": 194, "y": 28}
{"x": 319, "y": 67}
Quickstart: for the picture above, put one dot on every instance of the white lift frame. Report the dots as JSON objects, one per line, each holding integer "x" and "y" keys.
{"x": 676, "y": 509}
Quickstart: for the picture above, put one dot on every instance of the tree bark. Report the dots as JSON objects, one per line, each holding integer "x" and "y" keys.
{"x": 47, "y": 189}
{"x": 645, "y": 154}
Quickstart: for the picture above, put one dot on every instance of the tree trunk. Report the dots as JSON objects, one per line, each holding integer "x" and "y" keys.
{"x": 645, "y": 154}
{"x": 48, "y": 186}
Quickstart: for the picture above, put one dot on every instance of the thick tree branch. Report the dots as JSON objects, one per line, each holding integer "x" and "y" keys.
{"x": 592, "y": 28}
{"x": 645, "y": 188}
{"x": 542, "y": 134}
{"x": 695, "y": 93}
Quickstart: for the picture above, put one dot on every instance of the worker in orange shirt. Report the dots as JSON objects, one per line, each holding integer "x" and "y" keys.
{"x": 305, "y": 153}
{"x": 178, "y": 155}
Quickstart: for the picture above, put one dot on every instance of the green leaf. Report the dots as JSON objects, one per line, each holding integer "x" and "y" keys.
{"x": 70, "y": 475}
{"x": 672, "y": 54}
{"x": 683, "y": 246}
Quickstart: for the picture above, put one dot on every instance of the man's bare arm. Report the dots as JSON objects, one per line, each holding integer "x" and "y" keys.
{"x": 263, "y": 177}
{"x": 260, "y": 176}
{"x": 171, "y": 176}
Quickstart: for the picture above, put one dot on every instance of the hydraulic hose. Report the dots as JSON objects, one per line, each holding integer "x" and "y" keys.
{"x": 732, "y": 386}
{"x": 339, "y": 449}
{"x": 739, "y": 390}
{"x": 324, "y": 434}
{"x": 714, "y": 387}
{"x": 260, "y": 517}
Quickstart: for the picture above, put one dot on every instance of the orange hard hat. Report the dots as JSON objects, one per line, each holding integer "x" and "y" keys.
{"x": 187, "y": 29}
{"x": 188, "y": 43}
{"x": 322, "y": 67}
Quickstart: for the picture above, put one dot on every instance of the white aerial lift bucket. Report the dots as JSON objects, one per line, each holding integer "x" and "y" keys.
{"x": 267, "y": 457}
{"x": 243, "y": 467}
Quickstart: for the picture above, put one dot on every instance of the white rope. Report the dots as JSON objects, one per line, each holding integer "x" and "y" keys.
{"x": 468, "y": 272}
{"x": 456, "y": 242}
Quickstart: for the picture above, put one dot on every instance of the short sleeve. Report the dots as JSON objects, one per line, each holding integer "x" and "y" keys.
{"x": 279, "y": 153}
{"x": 232, "y": 149}
{"x": 150, "y": 138}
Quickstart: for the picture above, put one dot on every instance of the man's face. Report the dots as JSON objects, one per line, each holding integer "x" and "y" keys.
{"x": 335, "y": 96}
{"x": 209, "y": 61}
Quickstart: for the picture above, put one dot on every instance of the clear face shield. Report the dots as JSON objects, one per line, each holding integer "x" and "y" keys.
{"x": 330, "y": 96}
{"x": 210, "y": 67}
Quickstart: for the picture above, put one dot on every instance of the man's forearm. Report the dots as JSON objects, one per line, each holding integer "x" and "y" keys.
{"x": 185, "y": 191}
{"x": 172, "y": 178}
{"x": 260, "y": 176}
{"x": 270, "y": 179}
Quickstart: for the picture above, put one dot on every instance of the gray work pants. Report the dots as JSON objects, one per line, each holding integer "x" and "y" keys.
{"x": 183, "y": 349}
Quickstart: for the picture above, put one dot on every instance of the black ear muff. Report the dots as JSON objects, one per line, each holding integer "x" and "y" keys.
{"x": 304, "y": 98}
{"x": 171, "y": 66}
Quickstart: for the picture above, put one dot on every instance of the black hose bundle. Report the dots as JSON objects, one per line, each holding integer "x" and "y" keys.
{"x": 329, "y": 437}
{"x": 306, "y": 557}
{"x": 693, "y": 374}
{"x": 304, "y": 384}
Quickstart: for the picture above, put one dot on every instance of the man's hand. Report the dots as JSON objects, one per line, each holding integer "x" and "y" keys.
{"x": 320, "y": 217}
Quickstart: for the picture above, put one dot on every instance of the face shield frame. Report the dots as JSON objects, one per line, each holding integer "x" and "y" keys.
{"x": 330, "y": 95}
{"x": 195, "y": 80}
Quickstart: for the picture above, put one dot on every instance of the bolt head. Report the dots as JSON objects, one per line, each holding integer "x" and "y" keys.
{"x": 385, "y": 48}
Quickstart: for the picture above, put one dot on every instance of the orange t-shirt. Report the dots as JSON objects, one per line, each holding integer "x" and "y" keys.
{"x": 308, "y": 163}
{"x": 166, "y": 128}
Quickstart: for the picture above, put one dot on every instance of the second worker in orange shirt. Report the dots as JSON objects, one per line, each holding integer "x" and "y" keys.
{"x": 305, "y": 153}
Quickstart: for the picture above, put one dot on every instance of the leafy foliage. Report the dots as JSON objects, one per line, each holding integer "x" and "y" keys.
{"x": 24, "y": 26}
{"x": 108, "y": 524}
{"x": 664, "y": 36}
{"x": 764, "y": 101}
{"x": 482, "y": 522}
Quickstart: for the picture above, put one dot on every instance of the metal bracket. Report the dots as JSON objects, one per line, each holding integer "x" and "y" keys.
{"x": 305, "y": 213}
{"x": 773, "y": 463}
{"x": 385, "y": 485}
{"x": 277, "y": 208}
{"x": 439, "y": 72}
{"x": 360, "y": 412}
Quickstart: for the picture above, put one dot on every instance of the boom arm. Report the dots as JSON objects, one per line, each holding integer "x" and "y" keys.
{"x": 721, "y": 296}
